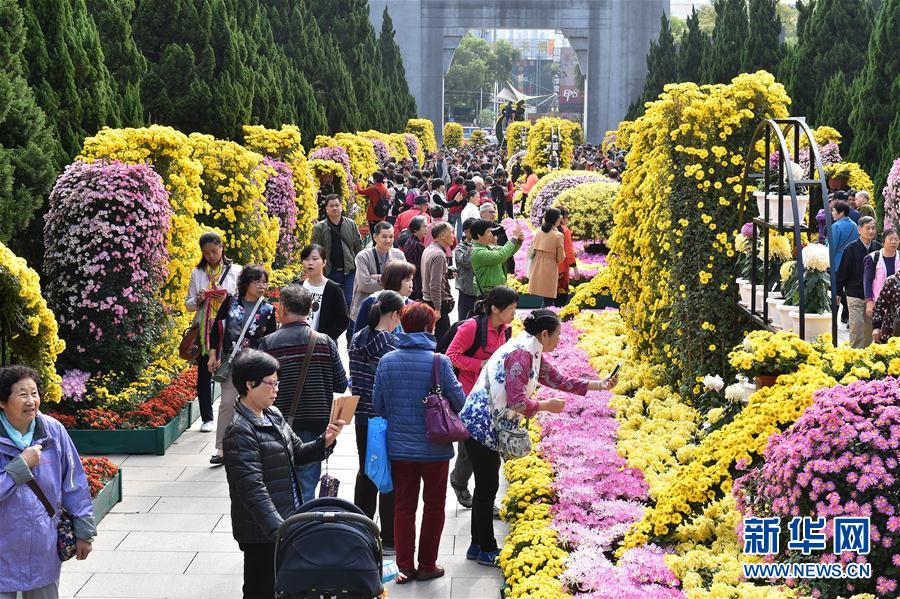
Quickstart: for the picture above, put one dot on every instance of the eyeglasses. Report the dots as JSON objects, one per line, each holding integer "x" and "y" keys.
{"x": 273, "y": 384}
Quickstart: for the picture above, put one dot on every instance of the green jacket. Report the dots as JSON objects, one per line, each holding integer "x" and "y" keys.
{"x": 350, "y": 240}
{"x": 489, "y": 264}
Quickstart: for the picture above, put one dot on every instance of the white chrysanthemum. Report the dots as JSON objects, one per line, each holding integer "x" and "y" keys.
{"x": 713, "y": 382}
{"x": 815, "y": 257}
{"x": 734, "y": 393}
{"x": 796, "y": 170}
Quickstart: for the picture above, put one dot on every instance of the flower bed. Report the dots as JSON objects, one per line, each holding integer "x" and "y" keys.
{"x": 105, "y": 483}
{"x": 150, "y": 426}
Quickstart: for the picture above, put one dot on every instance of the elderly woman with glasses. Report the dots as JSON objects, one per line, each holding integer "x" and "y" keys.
{"x": 230, "y": 321}
{"x": 262, "y": 453}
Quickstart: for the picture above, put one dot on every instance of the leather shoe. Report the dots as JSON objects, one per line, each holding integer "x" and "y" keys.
{"x": 431, "y": 574}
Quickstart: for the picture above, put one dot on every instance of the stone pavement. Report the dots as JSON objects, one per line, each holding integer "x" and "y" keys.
{"x": 171, "y": 535}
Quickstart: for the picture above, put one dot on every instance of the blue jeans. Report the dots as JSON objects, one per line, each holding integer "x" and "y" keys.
{"x": 308, "y": 475}
{"x": 346, "y": 281}
{"x": 456, "y": 221}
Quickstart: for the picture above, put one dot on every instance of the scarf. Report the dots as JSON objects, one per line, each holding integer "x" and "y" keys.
{"x": 21, "y": 441}
{"x": 208, "y": 313}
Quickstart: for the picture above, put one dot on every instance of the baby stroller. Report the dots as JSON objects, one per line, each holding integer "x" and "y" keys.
{"x": 328, "y": 550}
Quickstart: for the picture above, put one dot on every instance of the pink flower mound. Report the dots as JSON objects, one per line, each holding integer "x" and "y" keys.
{"x": 412, "y": 145}
{"x": 105, "y": 263}
{"x": 891, "y": 194}
{"x": 381, "y": 151}
{"x": 598, "y": 496}
{"x": 839, "y": 459}
{"x": 545, "y": 198}
{"x": 281, "y": 201}
{"x": 336, "y": 154}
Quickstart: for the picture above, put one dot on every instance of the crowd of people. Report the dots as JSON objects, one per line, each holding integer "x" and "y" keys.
{"x": 867, "y": 292}
{"x": 388, "y": 288}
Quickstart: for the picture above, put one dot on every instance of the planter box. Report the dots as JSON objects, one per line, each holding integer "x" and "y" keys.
{"x": 528, "y": 301}
{"x": 108, "y": 496}
{"x": 138, "y": 441}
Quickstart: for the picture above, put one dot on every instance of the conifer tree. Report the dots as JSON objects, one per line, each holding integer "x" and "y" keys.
{"x": 694, "y": 46}
{"x": 763, "y": 49}
{"x": 723, "y": 62}
{"x": 401, "y": 104}
{"x": 66, "y": 70}
{"x": 876, "y": 98}
{"x": 26, "y": 141}
{"x": 121, "y": 55}
{"x": 348, "y": 21}
{"x": 662, "y": 68}
{"x": 832, "y": 37}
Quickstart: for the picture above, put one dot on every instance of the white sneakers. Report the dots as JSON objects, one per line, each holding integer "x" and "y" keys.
{"x": 207, "y": 427}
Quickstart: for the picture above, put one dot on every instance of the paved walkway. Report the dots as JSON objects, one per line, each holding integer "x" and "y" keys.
{"x": 171, "y": 535}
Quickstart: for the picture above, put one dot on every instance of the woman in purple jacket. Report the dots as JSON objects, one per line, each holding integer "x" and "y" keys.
{"x": 35, "y": 447}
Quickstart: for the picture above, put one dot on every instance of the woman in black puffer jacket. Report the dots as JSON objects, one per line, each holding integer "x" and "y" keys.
{"x": 261, "y": 453}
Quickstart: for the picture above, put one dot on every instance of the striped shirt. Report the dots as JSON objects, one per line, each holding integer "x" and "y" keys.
{"x": 326, "y": 375}
{"x": 365, "y": 352}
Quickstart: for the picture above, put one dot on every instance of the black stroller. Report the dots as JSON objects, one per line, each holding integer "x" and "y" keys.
{"x": 328, "y": 550}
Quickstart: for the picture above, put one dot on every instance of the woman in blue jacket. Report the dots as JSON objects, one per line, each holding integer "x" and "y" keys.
{"x": 403, "y": 379}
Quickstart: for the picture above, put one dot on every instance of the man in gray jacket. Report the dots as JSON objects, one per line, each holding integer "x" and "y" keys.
{"x": 339, "y": 236}
{"x": 370, "y": 263}
{"x": 435, "y": 285}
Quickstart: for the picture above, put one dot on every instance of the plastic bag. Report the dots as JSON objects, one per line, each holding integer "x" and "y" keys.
{"x": 378, "y": 466}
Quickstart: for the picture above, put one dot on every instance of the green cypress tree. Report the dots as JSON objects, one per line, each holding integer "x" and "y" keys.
{"x": 691, "y": 51}
{"x": 67, "y": 71}
{"x": 402, "y": 105}
{"x": 763, "y": 49}
{"x": 26, "y": 141}
{"x": 835, "y": 102}
{"x": 121, "y": 55}
{"x": 339, "y": 99}
{"x": 833, "y": 37}
{"x": 723, "y": 62}
{"x": 662, "y": 68}
{"x": 876, "y": 102}
{"x": 348, "y": 21}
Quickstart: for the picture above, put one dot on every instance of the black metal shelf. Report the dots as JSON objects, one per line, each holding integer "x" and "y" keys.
{"x": 786, "y": 190}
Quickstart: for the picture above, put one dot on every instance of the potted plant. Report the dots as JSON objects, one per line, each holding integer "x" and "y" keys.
{"x": 773, "y": 199}
{"x": 837, "y": 174}
{"x": 817, "y": 304}
{"x": 764, "y": 356}
{"x": 788, "y": 285}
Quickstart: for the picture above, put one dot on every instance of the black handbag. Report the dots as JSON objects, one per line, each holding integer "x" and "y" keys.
{"x": 65, "y": 526}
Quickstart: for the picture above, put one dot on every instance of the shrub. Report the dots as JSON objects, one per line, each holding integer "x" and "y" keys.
{"x": 171, "y": 155}
{"x": 453, "y": 135}
{"x": 539, "y": 137}
{"x": 284, "y": 145}
{"x": 106, "y": 255}
{"x": 423, "y": 129}
{"x": 478, "y": 138}
{"x": 281, "y": 202}
{"x": 27, "y": 324}
{"x": 544, "y": 197}
{"x": 591, "y": 209}
{"x": 840, "y": 458}
{"x": 234, "y": 187}
{"x": 360, "y": 153}
{"x": 513, "y": 136}
{"x": 414, "y": 148}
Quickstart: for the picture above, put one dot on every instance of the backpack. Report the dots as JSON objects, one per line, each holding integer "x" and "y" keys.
{"x": 399, "y": 201}
{"x": 480, "y": 341}
{"x": 381, "y": 206}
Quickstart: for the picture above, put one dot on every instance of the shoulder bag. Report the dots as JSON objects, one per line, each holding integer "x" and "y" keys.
{"x": 442, "y": 424}
{"x": 223, "y": 372}
{"x": 65, "y": 527}
{"x": 513, "y": 440}
{"x": 189, "y": 348}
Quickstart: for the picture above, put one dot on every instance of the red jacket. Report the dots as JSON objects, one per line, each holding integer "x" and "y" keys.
{"x": 374, "y": 193}
{"x": 451, "y": 195}
{"x": 406, "y": 217}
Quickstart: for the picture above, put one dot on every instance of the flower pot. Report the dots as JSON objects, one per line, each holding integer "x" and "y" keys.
{"x": 802, "y": 206}
{"x": 837, "y": 182}
{"x": 765, "y": 380}
{"x": 749, "y": 389}
{"x": 774, "y": 301}
{"x": 814, "y": 325}
{"x": 745, "y": 293}
{"x": 784, "y": 317}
